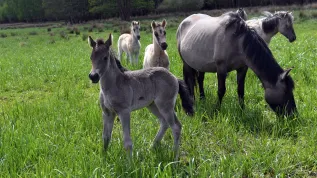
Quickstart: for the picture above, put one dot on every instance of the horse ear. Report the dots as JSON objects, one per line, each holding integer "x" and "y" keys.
{"x": 164, "y": 23}
{"x": 91, "y": 42}
{"x": 285, "y": 73}
{"x": 153, "y": 24}
{"x": 109, "y": 40}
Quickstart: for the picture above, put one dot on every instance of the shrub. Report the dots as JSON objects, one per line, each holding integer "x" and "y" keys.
{"x": 76, "y": 30}
{"x": 90, "y": 29}
{"x": 13, "y": 34}
{"x": 3, "y": 35}
{"x": 63, "y": 35}
{"x": 84, "y": 36}
{"x": 49, "y": 29}
{"x": 314, "y": 15}
{"x": 302, "y": 15}
{"x": 51, "y": 41}
{"x": 33, "y": 33}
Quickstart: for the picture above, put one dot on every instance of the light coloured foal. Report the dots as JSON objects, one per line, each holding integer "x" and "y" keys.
{"x": 155, "y": 54}
{"x": 130, "y": 44}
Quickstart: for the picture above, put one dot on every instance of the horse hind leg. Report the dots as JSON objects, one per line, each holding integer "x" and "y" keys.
{"x": 167, "y": 111}
{"x": 120, "y": 51}
{"x": 241, "y": 73}
{"x": 200, "y": 80}
{"x": 163, "y": 124}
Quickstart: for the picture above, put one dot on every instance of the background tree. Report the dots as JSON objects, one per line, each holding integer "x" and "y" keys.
{"x": 124, "y": 7}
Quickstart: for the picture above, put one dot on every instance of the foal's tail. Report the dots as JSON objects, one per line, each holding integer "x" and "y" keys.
{"x": 187, "y": 100}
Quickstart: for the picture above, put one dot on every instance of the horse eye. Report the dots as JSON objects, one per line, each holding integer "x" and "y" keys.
{"x": 156, "y": 34}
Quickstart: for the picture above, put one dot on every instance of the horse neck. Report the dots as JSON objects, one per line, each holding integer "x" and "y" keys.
{"x": 260, "y": 59}
{"x": 269, "y": 34}
{"x": 111, "y": 75}
{"x": 157, "y": 48}
{"x": 134, "y": 39}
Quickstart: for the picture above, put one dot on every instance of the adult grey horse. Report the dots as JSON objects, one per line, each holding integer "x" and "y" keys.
{"x": 267, "y": 27}
{"x": 155, "y": 88}
{"x": 225, "y": 43}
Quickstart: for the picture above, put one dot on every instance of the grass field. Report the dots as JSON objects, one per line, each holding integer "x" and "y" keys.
{"x": 51, "y": 125}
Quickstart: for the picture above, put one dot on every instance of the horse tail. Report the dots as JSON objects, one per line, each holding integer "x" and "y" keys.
{"x": 190, "y": 75}
{"x": 187, "y": 100}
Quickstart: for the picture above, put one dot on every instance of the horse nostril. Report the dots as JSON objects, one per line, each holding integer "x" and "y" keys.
{"x": 164, "y": 46}
{"x": 139, "y": 37}
{"x": 94, "y": 77}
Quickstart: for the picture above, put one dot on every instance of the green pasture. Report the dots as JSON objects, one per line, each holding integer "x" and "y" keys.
{"x": 51, "y": 124}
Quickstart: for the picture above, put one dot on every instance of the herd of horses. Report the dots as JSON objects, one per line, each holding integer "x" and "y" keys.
{"x": 205, "y": 44}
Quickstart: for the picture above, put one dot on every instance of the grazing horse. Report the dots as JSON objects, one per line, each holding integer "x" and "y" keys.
{"x": 130, "y": 44}
{"x": 155, "y": 88}
{"x": 225, "y": 43}
{"x": 155, "y": 54}
{"x": 281, "y": 21}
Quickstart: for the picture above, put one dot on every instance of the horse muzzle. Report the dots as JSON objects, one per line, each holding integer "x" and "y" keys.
{"x": 164, "y": 46}
{"x": 292, "y": 39}
{"x": 94, "y": 77}
{"x": 138, "y": 37}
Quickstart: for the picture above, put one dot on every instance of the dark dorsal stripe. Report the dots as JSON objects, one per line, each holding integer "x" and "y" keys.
{"x": 259, "y": 56}
{"x": 269, "y": 24}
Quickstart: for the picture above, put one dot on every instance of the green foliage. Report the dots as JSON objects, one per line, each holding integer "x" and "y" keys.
{"x": 181, "y": 5}
{"x": 3, "y": 35}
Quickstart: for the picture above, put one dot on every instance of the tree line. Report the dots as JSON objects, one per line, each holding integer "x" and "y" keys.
{"x": 75, "y": 11}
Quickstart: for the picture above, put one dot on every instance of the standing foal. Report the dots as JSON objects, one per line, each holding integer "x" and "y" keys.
{"x": 155, "y": 88}
{"x": 155, "y": 54}
{"x": 130, "y": 44}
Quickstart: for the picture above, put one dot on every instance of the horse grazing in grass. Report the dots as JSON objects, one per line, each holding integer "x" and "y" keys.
{"x": 155, "y": 88}
{"x": 130, "y": 44}
{"x": 269, "y": 26}
{"x": 281, "y": 21}
{"x": 155, "y": 54}
{"x": 225, "y": 43}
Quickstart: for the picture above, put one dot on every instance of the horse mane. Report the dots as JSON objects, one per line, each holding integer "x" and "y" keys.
{"x": 270, "y": 23}
{"x": 257, "y": 52}
{"x": 112, "y": 55}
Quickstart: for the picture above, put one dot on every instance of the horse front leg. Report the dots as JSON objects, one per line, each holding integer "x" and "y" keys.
{"x": 108, "y": 119}
{"x": 241, "y": 73}
{"x": 221, "y": 76}
{"x": 200, "y": 79}
{"x": 189, "y": 78}
{"x": 124, "y": 117}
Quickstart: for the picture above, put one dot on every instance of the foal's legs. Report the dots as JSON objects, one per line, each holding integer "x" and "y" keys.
{"x": 163, "y": 124}
{"x": 241, "y": 73}
{"x": 200, "y": 79}
{"x": 124, "y": 117}
{"x": 108, "y": 119}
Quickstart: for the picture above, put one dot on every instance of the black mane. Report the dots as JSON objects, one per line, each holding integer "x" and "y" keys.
{"x": 259, "y": 57}
{"x": 269, "y": 24}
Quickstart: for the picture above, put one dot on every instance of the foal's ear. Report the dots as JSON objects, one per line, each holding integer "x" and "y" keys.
{"x": 164, "y": 23}
{"x": 285, "y": 73}
{"x": 109, "y": 40}
{"x": 153, "y": 24}
{"x": 91, "y": 42}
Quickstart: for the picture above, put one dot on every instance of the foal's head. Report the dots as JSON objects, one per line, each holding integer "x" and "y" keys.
{"x": 160, "y": 33}
{"x": 280, "y": 97}
{"x": 99, "y": 57}
{"x": 283, "y": 21}
{"x": 135, "y": 29}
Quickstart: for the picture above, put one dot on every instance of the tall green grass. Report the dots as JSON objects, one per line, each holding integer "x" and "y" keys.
{"x": 51, "y": 125}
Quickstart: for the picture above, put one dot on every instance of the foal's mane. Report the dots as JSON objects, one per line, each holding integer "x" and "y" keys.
{"x": 112, "y": 54}
{"x": 259, "y": 56}
{"x": 270, "y": 23}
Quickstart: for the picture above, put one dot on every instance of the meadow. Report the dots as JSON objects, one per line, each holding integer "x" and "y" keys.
{"x": 51, "y": 124}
